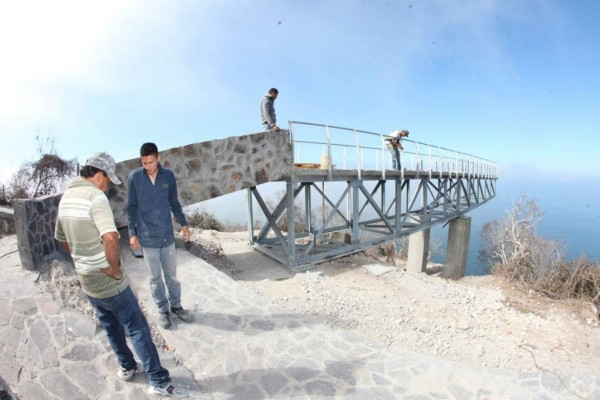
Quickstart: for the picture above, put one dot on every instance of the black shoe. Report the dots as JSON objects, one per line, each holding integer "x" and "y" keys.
{"x": 164, "y": 320}
{"x": 182, "y": 314}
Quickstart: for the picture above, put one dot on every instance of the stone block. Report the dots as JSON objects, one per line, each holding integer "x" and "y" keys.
{"x": 34, "y": 225}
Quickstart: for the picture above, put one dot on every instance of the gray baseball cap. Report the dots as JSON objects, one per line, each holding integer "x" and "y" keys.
{"x": 106, "y": 163}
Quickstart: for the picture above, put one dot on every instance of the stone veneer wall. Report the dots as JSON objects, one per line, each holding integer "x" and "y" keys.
{"x": 211, "y": 169}
{"x": 34, "y": 226}
{"x": 203, "y": 171}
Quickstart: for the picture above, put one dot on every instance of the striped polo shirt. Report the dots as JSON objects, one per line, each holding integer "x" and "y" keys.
{"x": 84, "y": 215}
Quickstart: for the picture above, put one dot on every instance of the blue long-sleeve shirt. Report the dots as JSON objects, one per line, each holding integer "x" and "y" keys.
{"x": 149, "y": 207}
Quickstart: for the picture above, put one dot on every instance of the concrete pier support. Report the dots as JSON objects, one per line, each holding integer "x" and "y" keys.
{"x": 418, "y": 248}
{"x": 458, "y": 247}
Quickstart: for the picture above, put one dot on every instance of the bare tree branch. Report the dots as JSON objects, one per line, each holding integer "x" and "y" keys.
{"x": 515, "y": 251}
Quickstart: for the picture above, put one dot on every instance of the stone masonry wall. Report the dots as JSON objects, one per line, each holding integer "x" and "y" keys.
{"x": 203, "y": 171}
{"x": 211, "y": 169}
{"x": 34, "y": 226}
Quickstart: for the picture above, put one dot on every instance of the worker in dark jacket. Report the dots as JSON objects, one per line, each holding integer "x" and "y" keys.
{"x": 267, "y": 111}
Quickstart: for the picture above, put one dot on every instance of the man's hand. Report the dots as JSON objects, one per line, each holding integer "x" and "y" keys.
{"x": 111, "y": 249}
{"x": 186, "y": 233}
{"x": 116, "y": 275}
{"x": 276, "y": 128}
{"x": 133, "y": 242}
{"x": 65, "y": 246}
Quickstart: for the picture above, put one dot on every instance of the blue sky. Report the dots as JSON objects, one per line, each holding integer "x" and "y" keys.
{"x": 512, "y": 81}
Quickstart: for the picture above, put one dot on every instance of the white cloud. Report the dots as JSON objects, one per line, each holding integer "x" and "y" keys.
{"x": 43, "y": 43}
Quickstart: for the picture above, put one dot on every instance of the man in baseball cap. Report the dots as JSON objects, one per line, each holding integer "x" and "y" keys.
{"x": 394, "y": 144}
{"x": 105, "y": 162}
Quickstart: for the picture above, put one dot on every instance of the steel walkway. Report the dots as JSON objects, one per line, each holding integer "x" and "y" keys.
{"x": 363, "y": 203}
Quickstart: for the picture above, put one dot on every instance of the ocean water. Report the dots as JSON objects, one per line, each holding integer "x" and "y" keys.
{"x": 571, "y": 210}
{"x": 571, "y": 214}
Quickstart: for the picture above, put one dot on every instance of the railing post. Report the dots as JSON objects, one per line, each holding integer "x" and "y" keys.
{"x": 418, "y": 157}
{"x": 358, "y": 155}
{"x": 330, "y": 161}
{"x": 439, "y": 167}
{"x": 430, "y": 160}
{"x": 383, "y": 151}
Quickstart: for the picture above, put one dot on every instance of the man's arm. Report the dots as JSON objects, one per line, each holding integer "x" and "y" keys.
{"x": 176, "y": 208}
{"x": 103, "y": 218}
{"x": 111, "y": 249}
{"x": 132, "y": 212}
{"x": 396, "y": 141}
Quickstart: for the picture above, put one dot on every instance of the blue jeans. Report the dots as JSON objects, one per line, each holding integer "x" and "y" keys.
{"x": 395, "y": 157}
{"x": 120, "y": 315}
{"x": 163, "y": 262}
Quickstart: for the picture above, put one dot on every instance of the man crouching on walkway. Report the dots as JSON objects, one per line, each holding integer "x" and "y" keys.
{"x": 86, "y": 229}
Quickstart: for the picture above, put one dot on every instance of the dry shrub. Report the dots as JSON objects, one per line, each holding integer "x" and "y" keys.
{"x": 48, "y": 175}
{"x": 518, "y": 254}
{"x": 575, "y": 279}
{"x": 204, "y": 220}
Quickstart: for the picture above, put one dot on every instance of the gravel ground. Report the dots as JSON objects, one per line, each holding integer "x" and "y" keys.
{"x": 470, "y": 320}
{"x": 478, "y": 320}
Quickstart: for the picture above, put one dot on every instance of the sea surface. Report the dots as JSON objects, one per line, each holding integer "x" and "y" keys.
{"x": 571, "y": 210}
{"x": 571, "y": 214}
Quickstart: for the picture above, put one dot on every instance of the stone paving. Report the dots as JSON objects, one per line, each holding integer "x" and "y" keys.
{"x": 240, "y": 346}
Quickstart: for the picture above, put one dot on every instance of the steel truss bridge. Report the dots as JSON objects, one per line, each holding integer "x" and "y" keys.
{"x": 361, "y": 202}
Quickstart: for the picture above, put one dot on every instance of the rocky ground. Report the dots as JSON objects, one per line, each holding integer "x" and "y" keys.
{"x": 479, "y": 320}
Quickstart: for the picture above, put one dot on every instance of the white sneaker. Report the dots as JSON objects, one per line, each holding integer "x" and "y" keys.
{"x": 127, "y": 374}
{"x": 167, "y": 391}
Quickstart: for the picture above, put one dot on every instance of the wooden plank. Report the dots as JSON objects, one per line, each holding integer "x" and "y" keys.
{"x": 307, "y": 165}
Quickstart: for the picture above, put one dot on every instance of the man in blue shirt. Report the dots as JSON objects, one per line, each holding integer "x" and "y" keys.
{"x": 151, "y": 197}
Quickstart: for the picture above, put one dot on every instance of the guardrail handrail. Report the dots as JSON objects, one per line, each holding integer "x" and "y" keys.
{"x": 422, "y": 157}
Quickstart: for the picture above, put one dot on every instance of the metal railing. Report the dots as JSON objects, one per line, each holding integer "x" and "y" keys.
{"x": 364, "y": 150}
